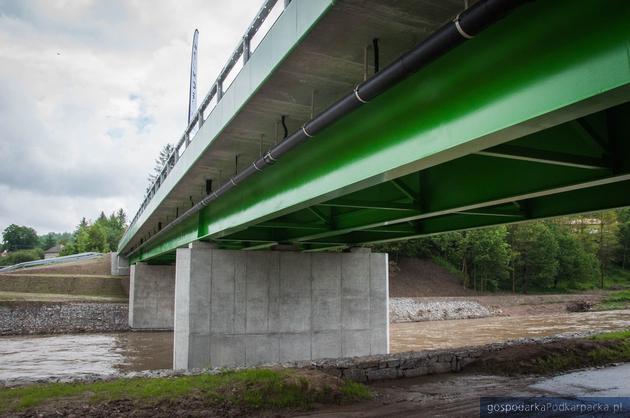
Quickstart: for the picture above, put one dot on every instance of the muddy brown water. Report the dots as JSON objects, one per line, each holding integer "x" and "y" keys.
{"x": 410, "y": 336}
{"x": 38, "y": 357}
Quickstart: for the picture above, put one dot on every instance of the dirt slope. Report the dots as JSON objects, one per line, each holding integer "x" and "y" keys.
{"x": 415, "y": 277}
{"x": 80, "y": 279}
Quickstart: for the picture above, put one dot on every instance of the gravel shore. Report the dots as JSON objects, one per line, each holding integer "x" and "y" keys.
{"x": 416, "y": 309}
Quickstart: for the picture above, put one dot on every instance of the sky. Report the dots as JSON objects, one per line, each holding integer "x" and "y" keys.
{"x": 91, "y": 90}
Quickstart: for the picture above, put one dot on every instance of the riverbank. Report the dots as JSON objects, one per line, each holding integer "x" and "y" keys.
{"x": 287, "y": 389}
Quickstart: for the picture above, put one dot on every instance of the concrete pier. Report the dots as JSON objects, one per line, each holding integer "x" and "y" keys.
{"x": 151, "y": 296}
{"x": 247, "y": 308}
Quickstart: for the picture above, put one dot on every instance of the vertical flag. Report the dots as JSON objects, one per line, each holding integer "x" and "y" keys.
{"x": 192, "y": 95}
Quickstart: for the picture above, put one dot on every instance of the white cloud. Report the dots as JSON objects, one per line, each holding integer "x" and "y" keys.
{"x": 89, "y": 93}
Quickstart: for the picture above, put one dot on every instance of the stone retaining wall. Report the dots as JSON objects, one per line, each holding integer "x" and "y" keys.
{"x": 393, "y": 366}
{"x": 419, "y": 363}
{"x": 18, "y": 318}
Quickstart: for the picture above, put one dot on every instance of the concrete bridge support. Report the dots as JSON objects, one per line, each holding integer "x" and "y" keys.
{"x": 247, "y": 308}
{"x": 151, "y": 301}
{"x": 119, "y": 264}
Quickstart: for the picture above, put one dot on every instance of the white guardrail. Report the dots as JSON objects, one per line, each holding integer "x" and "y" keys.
{"x": 241, "y": 54}
{"x": 49, "y": 261}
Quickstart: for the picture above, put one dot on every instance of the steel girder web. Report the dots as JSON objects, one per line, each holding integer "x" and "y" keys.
{"x": 469, "y": 188}
{"x": 517, "y": 78}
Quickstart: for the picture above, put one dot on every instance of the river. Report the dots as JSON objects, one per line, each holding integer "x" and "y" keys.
{"x": 39, "y": 357}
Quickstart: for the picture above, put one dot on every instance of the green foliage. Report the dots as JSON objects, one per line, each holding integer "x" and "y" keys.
{"x": 252, "y": 389}
{"x": 613, "y": 336}
{"x": 576, "y": 265}
{"x": 623, "y": 236}
{"x": 100, "y": 236}
{"x": 575, "y": 252}
{"x": 22, "y": 256}
{"x": 537, "y": 259}
{"x": 617, "y": 300}
{"x": 17, "y": 237}
{"x": 489, "y": 257}
{"x": 51, "y": 239}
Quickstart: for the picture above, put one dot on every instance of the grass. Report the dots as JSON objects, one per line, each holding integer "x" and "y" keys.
{"x": 253, "y": 389}
{"x": 623, "y": 336}
{"x": 55, "y": 297}
{"x": 616, "y": 300}
{"x": 616, "y": 277}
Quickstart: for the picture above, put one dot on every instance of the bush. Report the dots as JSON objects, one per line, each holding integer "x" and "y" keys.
{"x": 22, "y": 256}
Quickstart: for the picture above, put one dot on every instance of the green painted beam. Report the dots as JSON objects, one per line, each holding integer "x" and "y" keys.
{"x": 362, "y": 204}
{"x": 514, "y": 80}
{"x": 546, "y": 157}
{"x": 607, "y": 196}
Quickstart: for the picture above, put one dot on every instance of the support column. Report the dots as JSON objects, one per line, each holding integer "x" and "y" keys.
{"x": 240, "y": 308}
{"x": 151, "y": 297}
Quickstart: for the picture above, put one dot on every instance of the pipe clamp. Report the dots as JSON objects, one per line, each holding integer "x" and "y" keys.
{"x": 459, "y": 28}
{"x": 306, "y": 132}
{"x": 356, "y": 94}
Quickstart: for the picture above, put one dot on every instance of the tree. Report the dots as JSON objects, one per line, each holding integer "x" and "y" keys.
{"x": 489, "y": 255}
{"x": 17, "y": 237}
{"x": 48, "y": 241}
{"x": 576, "y": 265}
{"x": 537, "y": 260}
{"x": 623, "y": 236}
{"x": 160, "y": 162}
{"x": 607, "y": 241}
{"x": 100, "y": 236}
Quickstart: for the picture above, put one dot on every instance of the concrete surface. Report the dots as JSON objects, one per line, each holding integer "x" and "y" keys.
{"x": 151, "y": 296}
{"x": 235, "y": 308}
{"x": 119, "y": 265}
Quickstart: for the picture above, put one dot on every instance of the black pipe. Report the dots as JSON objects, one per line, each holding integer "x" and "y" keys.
{"x": 376, "y": 57}
{"x": 466, "y": 25}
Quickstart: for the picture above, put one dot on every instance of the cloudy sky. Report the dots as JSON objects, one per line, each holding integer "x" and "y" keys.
{"x": 90, "y": 90}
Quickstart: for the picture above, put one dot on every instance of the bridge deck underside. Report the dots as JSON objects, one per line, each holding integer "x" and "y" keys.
{"x": 512, "y": 126}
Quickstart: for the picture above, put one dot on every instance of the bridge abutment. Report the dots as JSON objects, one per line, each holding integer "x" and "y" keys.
{"x": 119, "y": 264}
{"x": 239, "y": 308}
{"x": 151, "y": 301}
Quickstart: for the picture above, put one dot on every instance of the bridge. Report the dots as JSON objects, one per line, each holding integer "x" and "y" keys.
{"x": 354, "y": 122}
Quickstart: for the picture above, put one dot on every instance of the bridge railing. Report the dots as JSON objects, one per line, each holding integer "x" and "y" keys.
{"x": 241, "y": 54}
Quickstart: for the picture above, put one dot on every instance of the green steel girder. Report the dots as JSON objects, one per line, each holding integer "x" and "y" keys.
{"x": 528, "y": 154}
{"x": 605, "y": 196}
{"x": 532, "y": 79}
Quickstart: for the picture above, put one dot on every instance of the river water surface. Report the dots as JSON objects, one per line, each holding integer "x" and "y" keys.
{"x": 38, "y": 357}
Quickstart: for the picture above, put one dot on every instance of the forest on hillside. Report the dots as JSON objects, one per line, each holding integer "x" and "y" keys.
{"x": 574, "y": 252}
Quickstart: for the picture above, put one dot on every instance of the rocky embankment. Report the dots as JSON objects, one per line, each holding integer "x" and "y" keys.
{"x": 420, "y": 309}
{"x": 17, "y": 318}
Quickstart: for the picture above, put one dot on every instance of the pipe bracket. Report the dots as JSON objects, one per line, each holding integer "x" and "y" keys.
{"x": 459, "y": 28}
{"x": 306, "y": 132}
{"x": 356, "y": 94}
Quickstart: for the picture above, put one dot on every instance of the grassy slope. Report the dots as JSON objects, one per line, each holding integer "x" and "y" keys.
{"x": 246, "y": 390}
{"x": 55, "y": 297}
